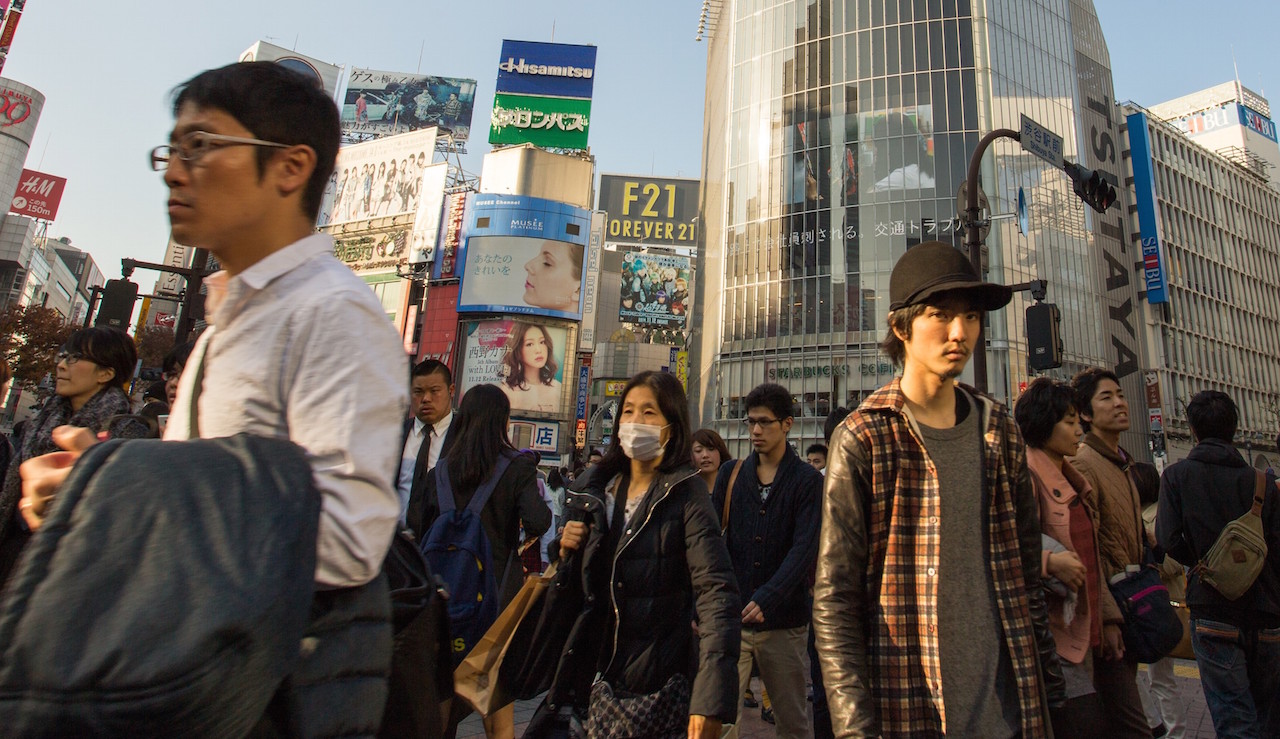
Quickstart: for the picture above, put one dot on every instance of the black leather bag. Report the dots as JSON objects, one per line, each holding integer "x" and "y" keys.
{"x": 421, "y": 684}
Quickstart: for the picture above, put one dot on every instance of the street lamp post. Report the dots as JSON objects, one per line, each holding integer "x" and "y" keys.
{"x": 973, "y": 239}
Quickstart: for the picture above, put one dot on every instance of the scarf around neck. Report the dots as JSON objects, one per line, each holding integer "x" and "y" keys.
{"x": 37, "y": 439}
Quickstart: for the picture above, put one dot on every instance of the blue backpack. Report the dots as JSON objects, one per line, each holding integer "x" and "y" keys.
{"x": 458, "y": 551}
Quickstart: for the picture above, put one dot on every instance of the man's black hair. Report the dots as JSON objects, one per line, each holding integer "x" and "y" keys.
{"x": 177, "y": 357}
{"x": 1085, "y": 383}
{"x": 431, "y": 367}
{"x": 275, "y": 104}
{"x": 774, "y": 397}
{"x": 1041, "y": 406}
{"x": 834, "y": 419}
{"x": 1147, "y": 480}
{"x": 819, "y": 448}
{"x": 1212, "y": 414}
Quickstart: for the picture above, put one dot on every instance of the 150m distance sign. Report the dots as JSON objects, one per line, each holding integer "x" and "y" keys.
{"x": 649, "y": 210}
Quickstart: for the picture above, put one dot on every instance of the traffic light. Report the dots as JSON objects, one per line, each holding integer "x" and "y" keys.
{"x": 117, "y": 304}
{"x": 1091, "y": 187}
{"x": 1044, "y": 340}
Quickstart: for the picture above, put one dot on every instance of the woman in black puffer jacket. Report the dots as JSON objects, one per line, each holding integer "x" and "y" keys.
{"x": 644, "y": 544}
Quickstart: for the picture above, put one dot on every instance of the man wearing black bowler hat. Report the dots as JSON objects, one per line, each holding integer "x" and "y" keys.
{"x": 928, "y": 613}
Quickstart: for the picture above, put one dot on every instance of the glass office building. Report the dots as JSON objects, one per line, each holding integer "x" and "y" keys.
{"x": 837, "y": 134}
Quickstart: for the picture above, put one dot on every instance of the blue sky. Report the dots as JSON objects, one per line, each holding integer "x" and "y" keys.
{"x": 107, "y": 69}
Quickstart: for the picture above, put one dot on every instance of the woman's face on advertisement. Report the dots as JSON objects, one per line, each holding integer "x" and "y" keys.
{"x": 552, "y": 279}
{"x": 533, "y": 351}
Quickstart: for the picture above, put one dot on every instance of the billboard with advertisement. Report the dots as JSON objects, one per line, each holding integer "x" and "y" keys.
{"x": 650, "y": 210}
{"x": 540, "y": 436}
{"x": 377, "y": 179}
{"x": 526, "y": 359}
{"x": 1144, "y": 188}
{"x": 655, "y": 290}
{"x": 38, "y": 195}
{"x": 896, "y": 151}
{"x": 524, "y": 255}
{"x": 453, "y": 222}
{"x": 552, "y": 123}
{"x": 378, "y": 104}
{"x": 539, "y": 68}
{"x": 324, "y": 74}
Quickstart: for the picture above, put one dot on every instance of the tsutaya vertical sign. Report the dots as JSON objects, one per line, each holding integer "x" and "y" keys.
{"x": 591, "y": 286}
{"x": 1144, "y": 186}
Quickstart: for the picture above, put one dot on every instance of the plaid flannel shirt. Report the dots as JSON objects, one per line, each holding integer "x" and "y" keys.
{"x": 903, "y": 533}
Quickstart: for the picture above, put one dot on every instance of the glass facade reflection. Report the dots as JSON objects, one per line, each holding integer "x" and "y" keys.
{"x": 837, "y": 133}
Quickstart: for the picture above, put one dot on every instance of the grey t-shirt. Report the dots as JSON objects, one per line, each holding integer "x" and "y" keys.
{"x": 978, "y": 687}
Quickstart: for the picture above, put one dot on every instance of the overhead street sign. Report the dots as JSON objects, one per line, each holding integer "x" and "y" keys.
{"x": 1041, "y": 141}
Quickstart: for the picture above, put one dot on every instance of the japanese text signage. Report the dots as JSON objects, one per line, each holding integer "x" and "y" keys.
{"x": 556, "y": 70}
{"x": 649, "y": 210}
{"x": 38, "y": 195}
{"x": 553, "y": 123}
{"x": 1042, "y": 142}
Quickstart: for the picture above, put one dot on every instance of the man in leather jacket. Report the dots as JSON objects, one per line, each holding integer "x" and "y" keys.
{"x": 929, "y": 558}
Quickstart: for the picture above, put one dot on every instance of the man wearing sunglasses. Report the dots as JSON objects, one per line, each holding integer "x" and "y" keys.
{"x": 773, "y": 516}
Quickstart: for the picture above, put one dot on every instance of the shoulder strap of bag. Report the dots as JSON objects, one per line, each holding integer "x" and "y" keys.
{"x": 444, "y": 489}
{"x": 728, "y": 497}
{"x": 1259, "y": 493}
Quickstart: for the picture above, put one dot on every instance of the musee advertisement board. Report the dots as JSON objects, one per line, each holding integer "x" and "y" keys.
{"x": 525, "y": 359}
{"x": 524, "y": 255}
{"x": 650, "y": 210}
{"x": 380, "y": 103}
{"x": 655, "y": 290}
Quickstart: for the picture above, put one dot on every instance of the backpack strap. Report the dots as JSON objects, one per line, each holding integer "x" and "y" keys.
{"x": 1259, "y": 493}
{"x": 728, "y": 497}
{"x": 444, "y": 489}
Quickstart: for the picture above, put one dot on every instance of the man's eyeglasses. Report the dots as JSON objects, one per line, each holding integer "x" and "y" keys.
{"x": 193, "y": 146}
{"x": 763, "y": 423}
{"x": 69, "y": 357}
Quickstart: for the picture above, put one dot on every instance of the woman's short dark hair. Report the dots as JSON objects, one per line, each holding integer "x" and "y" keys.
{"x": 177, "y": 357}
{"x": 479, "y": 436}
{"x": 555, "y": 479}
{"x": 675, "y": 408}
{"x": 834, "y": 419}
{"x": 276, "y": 104}
{"x": 1041, "y": 406}
{"x": 1212, "y": 414}
{"x": 711, "y": 440}
{"x": 513, "y": 362}
{"x": 1147, "y": 480}
{"x": 774, "y": 397}
{"x": 109, "y": 348}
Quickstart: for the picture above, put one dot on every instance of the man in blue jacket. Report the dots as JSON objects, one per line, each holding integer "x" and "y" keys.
{"x": 1237, "y": 642}
{"x": 772, "y": 533}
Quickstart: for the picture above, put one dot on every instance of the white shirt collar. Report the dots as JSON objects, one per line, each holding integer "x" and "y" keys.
{"x": 442, "y": 425}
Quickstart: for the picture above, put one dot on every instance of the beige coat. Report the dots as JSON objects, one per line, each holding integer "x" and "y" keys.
{"x": 1120, "y": 523}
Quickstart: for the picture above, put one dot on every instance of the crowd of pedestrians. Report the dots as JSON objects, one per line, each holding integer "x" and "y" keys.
{"x": 937, "y": 564}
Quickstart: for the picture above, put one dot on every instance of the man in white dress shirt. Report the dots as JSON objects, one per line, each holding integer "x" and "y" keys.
{"x": 298, "y": 347}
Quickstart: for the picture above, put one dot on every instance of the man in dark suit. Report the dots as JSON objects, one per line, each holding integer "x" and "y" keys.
{"x": 426, "y": 432}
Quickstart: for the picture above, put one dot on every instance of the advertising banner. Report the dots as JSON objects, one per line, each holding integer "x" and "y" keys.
{"x": 538, "y": 68}
{"x": 523, "y": 358}
{"x": 38, "y": 195}
{"x": 584, "y": 385}
{"x": 524, "y": 255}
{"x": 452, "y": 227}
{"x": 650, "y": 210}
{"x": 324, "y": 74}
{"x": 1144, "y": 188}
{"x": 896, "y": 150}
{"x": 655, "y": 290}
{"x": 591, "y": 288}
{"x": 384, "y": 103}
{"x": 552, "y": 123}
{"x": 540, "y": 436}
{"x": 377, "y": 179}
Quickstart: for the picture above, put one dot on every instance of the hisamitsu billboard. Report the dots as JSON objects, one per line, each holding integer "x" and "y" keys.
{"x": 538, "y": 68}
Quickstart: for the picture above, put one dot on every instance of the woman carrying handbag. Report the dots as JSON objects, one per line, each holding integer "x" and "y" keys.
{"x": 643, "y": 544}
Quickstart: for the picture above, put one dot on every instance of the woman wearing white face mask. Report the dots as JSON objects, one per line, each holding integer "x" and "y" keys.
{"x": 643, "y": 547}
